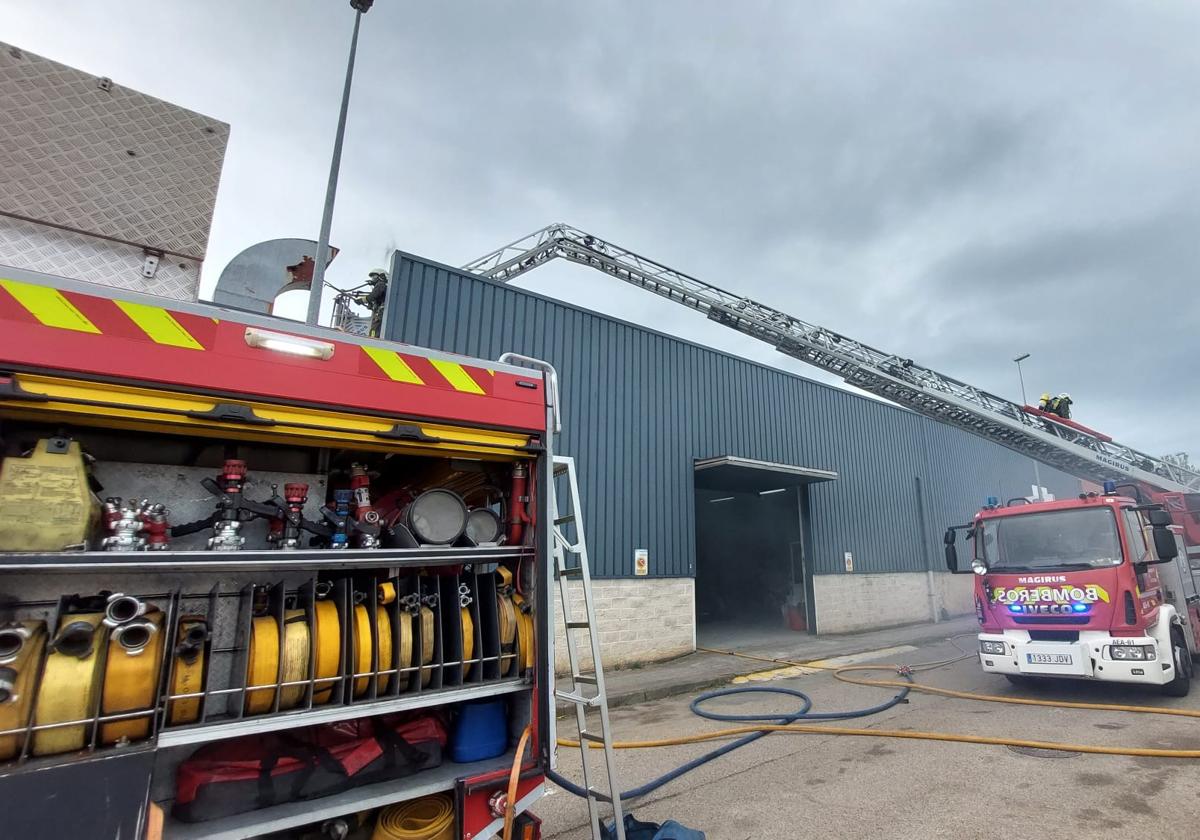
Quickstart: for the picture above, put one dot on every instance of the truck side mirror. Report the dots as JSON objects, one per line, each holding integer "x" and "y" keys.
{"x": 1164, "y": 543}
{"x": 951, "y": 552}
{"x": 1158, "y": 518}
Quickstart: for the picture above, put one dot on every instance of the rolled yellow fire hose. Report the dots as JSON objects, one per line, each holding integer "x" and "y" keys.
{"x": 188, "y": 677}
{"x": 468, "y": 639}
{"x": 525, "y": 651}
{"x": 362, "y": 647}
{"x": 427, "y": 818}
{"x": 295, "y": 657}
{"x": 426, "y": 645}
{"x": 383, "y": 629}
{"x": 14, "y": 710}
{"x": 68, "y": 688}
{"x": 262, "y": 667}
{"x": 328, "y": 648}
{"x": 405, "y": 659}
{"x": 506, "y": 613}
{"x": 131, "y": 683}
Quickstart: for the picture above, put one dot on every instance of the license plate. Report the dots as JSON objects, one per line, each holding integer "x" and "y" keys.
{"x": 1049, "y": 659}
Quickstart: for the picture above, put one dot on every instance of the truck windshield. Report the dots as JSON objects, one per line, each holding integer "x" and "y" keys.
{"x": 1084, "y": 538}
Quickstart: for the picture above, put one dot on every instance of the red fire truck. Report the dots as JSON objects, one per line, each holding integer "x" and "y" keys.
{"x": 313, "y": 602}
{"x": 1096, "y": 587}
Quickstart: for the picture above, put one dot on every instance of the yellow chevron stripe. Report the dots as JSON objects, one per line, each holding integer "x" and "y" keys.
{"x": 159, "y": 324}
{"x": 457, "y": 376}
{"x": 49, "y": 306}
{"x": 395, "y": 367}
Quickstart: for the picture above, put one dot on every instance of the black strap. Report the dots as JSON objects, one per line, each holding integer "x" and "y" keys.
{"x": 391, "y": 744}
{"x": 310, "y": 755}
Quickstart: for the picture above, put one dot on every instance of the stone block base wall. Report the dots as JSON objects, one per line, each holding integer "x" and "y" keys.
{"x": 852, "y": 603}
{"x": 652, "y": 619}
{"x": 638, "y": 619}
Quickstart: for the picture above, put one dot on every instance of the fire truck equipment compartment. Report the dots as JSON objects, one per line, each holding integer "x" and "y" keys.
{"x": 257, "y": 771}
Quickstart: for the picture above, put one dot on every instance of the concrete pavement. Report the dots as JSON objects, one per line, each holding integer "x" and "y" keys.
{"x": 699, "y": 671}
{"x": 827, "y": 786}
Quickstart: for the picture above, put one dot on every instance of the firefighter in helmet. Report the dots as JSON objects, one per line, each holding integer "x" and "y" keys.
{"x": 1044, "y": 402}
{"x": 1061, "y": 405}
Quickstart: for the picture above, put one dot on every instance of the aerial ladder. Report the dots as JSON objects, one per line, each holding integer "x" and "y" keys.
{"x": 1069, "y": 447}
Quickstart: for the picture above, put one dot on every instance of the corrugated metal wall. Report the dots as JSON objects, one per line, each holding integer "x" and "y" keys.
{"x": 639, "y": 408}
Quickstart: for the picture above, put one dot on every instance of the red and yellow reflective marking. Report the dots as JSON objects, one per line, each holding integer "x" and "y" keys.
{"x": 457, "y": 376}
{"x": 159, "y": 324}
{"x": 49, "y": 306}
{"x": 123, "y": 319}
{"x": 52, "y": 308}
{"x": 393, "y": 364}
{"x": 419, "y": 370}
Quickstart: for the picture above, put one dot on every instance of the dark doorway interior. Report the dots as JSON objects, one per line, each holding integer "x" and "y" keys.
{"x": 752, "y": 577}
{"x": 746, "y": 547}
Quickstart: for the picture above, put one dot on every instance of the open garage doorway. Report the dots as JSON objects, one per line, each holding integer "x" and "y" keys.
{"x": 753, "y": 578}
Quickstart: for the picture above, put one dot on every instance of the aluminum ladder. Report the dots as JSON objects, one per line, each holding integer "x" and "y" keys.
{"x": 563, "y": 550}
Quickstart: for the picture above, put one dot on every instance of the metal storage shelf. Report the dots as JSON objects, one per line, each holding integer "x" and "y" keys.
{"x": 220, "y": 730}
{"x": 281, "y": 817}
{"x": 253, "y": 561}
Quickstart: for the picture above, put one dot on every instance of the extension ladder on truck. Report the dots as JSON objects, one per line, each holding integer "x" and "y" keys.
{"x": 1072, "y": 449}
{"x": 130, "y": 678}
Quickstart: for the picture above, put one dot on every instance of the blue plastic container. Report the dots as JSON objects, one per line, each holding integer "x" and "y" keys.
{"x": 479, "y": 731}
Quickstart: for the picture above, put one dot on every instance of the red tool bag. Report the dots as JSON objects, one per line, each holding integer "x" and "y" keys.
{"x": 257, "y": 771}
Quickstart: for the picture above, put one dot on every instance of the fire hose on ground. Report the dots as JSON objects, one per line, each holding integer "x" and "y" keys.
{"x": 761, "y": 725}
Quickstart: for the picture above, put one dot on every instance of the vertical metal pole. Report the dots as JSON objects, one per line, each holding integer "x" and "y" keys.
{"x": 1024, "y": 401}
{"x": 318, "y": 281}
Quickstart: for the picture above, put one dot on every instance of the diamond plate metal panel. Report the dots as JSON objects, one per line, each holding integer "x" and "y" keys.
{"x": 80, "y": 257}
{"x": 113, "y": 163}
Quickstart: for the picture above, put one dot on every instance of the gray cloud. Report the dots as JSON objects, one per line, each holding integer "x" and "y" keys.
{"x": 956, "y": 182}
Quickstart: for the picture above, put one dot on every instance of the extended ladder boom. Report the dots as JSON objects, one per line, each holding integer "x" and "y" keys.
{"x": 889, "y": 376}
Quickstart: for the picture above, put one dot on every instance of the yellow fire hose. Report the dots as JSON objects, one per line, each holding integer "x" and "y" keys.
{"x": 426, "y": 645}
{"x": 468, "y": 639}
{"x": 131, "y": 679}
{"x": 406, "y": 649}
{"x": 427, "y": 818}
{"x": 69, "y": 684}
{"x": 524, "y": 633}
{"x": 189, "y": 672}
{"x": 296, "y": 645}
{"x": 327, "y": 646}
{"x": 840, "y": 673}
{"x": 262, "y": 664}
{"x": 23, "y": 664}
{"x": 506, "y": 612}
{"x": 362, "y": 646}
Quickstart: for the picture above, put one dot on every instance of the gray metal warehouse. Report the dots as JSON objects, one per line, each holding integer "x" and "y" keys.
{"x": 761, "y": 500}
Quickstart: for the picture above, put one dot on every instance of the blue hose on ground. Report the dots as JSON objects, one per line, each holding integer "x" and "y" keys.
{"x": 802, "y": 715}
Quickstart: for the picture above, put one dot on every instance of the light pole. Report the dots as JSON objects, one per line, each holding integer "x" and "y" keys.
{"x": 1024, "y": 401}
{"x": 360, "y": 7}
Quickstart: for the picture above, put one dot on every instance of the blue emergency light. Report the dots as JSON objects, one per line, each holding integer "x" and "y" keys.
{"x": 1110, "y": 487}
{"x": 991, "y": 502}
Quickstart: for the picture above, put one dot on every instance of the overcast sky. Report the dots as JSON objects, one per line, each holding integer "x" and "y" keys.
{"x": 955, "y": 182}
